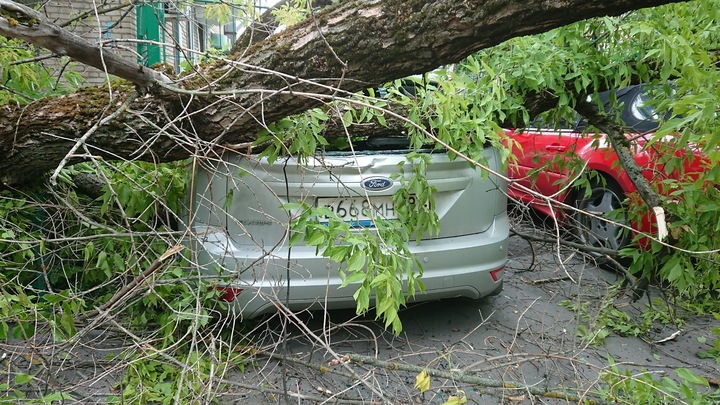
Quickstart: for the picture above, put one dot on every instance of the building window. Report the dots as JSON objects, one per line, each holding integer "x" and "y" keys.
{"x": 201, "y": 37}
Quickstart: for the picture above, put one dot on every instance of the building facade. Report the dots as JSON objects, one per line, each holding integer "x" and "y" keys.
{"x": 175, "y": 32}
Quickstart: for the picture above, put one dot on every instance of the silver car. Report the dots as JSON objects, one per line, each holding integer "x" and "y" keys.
{"x": 240, "y": 228}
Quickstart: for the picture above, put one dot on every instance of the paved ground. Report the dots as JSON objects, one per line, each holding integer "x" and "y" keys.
{"x": 521, "y": 338}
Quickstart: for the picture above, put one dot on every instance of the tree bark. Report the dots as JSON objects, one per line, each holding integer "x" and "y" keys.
{"x": 621, "y": 146}
{"x": 345, "y": 47}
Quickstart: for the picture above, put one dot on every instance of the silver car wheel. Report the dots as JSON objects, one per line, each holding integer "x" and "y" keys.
{"x": 604, "y": 227}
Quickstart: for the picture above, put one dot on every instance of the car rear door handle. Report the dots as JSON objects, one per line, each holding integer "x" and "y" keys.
{"x": 556, "y": 147}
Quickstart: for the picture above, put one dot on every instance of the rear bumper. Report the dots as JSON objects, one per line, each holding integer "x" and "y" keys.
{"x": 452, "y": 267}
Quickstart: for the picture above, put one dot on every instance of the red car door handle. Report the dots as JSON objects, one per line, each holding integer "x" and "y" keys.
{"x": 556, "y": 147}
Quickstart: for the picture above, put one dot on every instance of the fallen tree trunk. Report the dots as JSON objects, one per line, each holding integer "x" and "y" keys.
{"x": 345, "y": 47}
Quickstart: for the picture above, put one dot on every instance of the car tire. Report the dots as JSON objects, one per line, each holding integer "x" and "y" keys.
{"x": 604, "y": 229}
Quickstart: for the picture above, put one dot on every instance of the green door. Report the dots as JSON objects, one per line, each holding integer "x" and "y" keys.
{"x": 150, "y": 20}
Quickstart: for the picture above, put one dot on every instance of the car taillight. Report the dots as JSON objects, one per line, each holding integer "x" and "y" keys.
{"x": 497, "y": 273}
{"x": 229, "y": 293}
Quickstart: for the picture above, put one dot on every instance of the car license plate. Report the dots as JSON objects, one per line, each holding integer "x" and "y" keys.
{"x": 359, "y": 211}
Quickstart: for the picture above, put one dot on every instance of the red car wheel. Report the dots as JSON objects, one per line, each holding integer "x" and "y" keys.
{"x": 601, "y": 216}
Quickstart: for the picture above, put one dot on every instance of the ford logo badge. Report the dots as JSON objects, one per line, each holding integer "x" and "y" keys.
{"x": 376, "y": 184}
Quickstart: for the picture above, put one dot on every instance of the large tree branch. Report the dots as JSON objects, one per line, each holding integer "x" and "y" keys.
{"x": 350, "y": 46}
{"x": 621, "y": 146}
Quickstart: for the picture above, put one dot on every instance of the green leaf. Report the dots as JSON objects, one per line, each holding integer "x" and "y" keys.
{"x": 357, "y": 261}
{"x": 689, "y": 376}
{"x": 119, "y": 263}
{"x": 103, "y": 264}
{"x": 291, "y": 206}
{"x": 295, "y": 238}
{"x": 323, "y": 212}
{"x": 347, "y": 118}
{"x": 318, "y": 114}
{"x": 57, "y": 397}
{"x": 22, "y": 378}
{"x": 228, "y": 200}
{"x": 4, "y": 330}
{"x": 362, "y": 297}
{"x": 338, "y": 253}
{"x": 381, "y": 120}
{"x": 379, "y": 280}
{"x": 89, "y": 251}
{"x": 675, "y": 272}
{"x": 52, "y": 298}
{"x": 353, "y": 278}
{"x": 68, "y": 323}
{"x": 315, "y": 239}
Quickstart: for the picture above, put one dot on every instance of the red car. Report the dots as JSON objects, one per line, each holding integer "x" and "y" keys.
{"x": 549, "y": 160}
